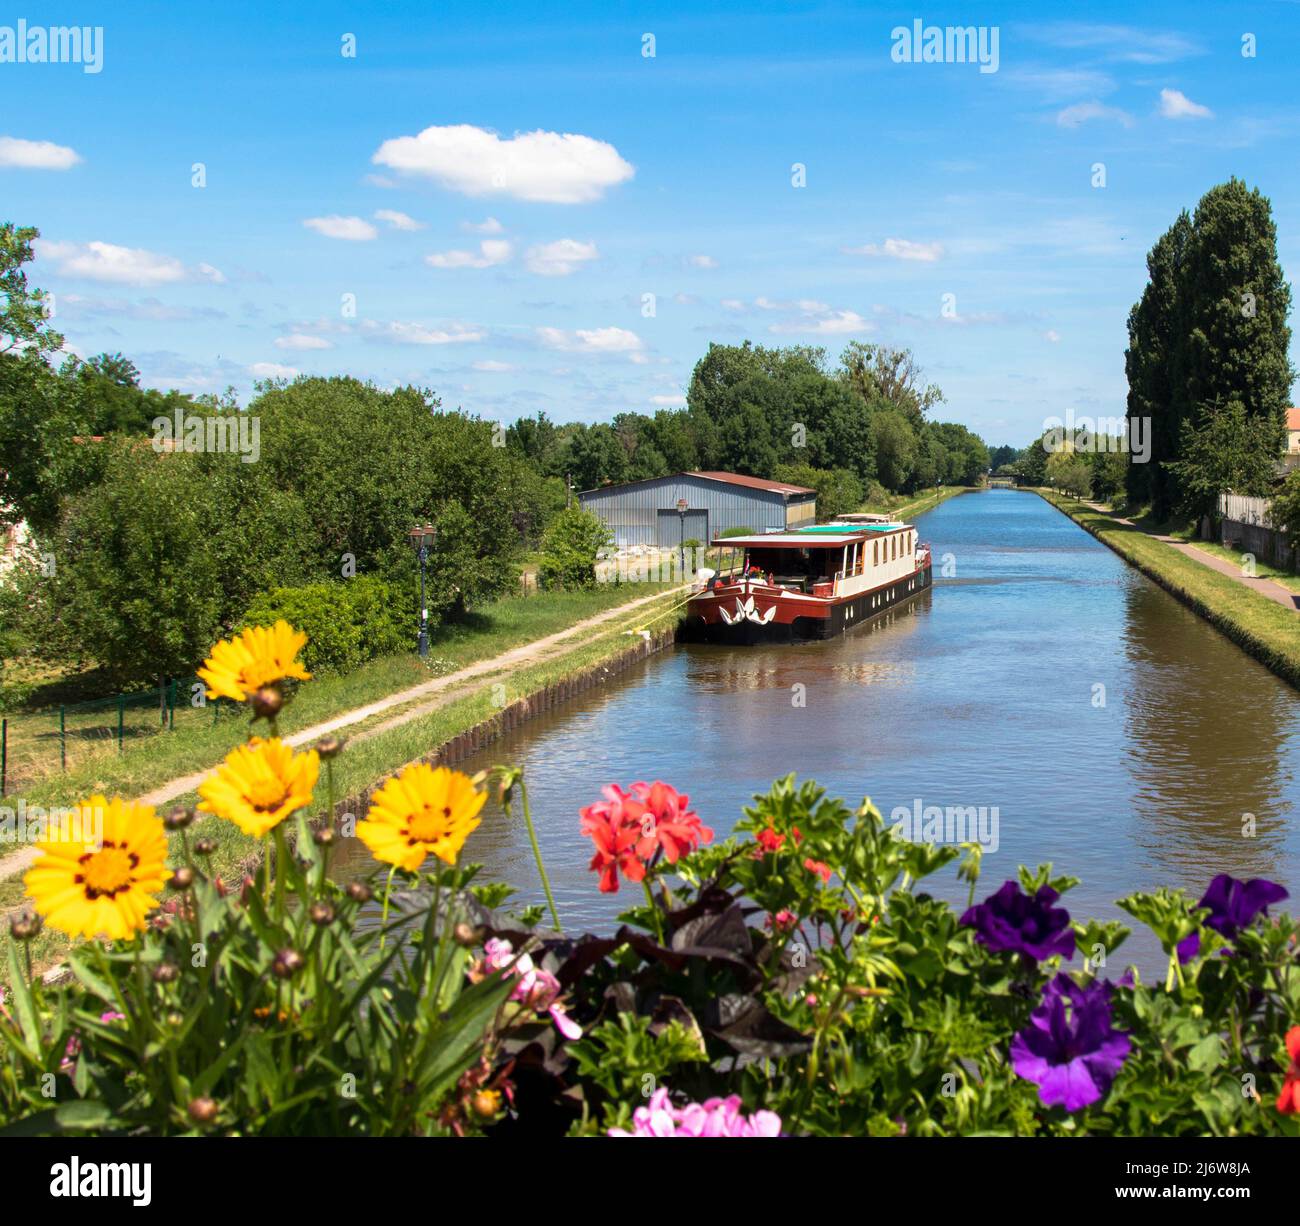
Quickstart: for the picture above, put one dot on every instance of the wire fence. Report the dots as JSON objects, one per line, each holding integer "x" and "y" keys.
{"x": 39, "y": 744}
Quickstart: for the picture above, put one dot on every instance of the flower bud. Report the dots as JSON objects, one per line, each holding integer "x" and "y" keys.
{"x": 288, "y": 962}
{"x": 486, "y": 1103}
{"x": 178, "y": 818}
{"x": 324, "y": 837}
{"x": 166, "y": 972}
{"x": 358, "y": 891}
{"x": 182, "y": 878}
{"x": 266, "y": 702}
{"x": 329, "y": 747}
{"x": 25, "y": 927}
{"x": 466, "y": 935}
{"x": 321, "y": 913}
{"x": 202, "y": 1110}
{"x": 205, "y": 847}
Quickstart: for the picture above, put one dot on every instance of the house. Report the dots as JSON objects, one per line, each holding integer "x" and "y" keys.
{"x": 1291, "y": 457}
{"x": 699, "y": 506}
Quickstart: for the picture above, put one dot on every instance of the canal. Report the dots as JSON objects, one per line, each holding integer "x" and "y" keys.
{"x": 1115, "y": 733}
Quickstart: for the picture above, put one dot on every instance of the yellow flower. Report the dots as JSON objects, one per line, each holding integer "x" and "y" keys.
{"x": 421, "y": 811}
{"x": 260, "y": 656}
{"x": 260, "y": 784}
{"x": 91, "y": 881}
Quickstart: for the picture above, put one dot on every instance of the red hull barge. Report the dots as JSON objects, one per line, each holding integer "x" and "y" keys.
{"x": 812, "y": 583}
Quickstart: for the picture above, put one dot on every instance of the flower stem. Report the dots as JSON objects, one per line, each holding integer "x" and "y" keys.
{"x": 537, "y": 854}
{"x": 383, "y": 921}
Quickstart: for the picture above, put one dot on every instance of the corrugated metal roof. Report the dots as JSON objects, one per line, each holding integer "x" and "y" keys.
{"x": 757, "y": 483}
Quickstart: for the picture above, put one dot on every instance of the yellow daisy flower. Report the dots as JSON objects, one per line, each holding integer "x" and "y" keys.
{"x": 91, "y": 882}
{"x": 422, "y": 811}
{"x": 259, "y": 656}
{"x": 260, "y": 784}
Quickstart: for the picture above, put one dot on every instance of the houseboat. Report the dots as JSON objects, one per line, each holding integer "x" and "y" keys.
{"x": 810, "y": 583}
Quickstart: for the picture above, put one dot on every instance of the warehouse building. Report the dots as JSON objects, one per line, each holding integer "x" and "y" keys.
{"x": 663, "y": 511}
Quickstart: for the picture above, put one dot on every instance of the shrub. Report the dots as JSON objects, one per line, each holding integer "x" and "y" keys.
{"x": 737, "y": 532}
{"x": 570, "y": 548}
{"x": 347, "y": 621}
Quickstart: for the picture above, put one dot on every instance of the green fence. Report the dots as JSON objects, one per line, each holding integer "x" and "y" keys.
{"x": 43, "y": 743}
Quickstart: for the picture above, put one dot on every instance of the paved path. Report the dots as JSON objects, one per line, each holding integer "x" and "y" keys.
{"x": 1270, "y": 588}
{"x": 438, "y": 689}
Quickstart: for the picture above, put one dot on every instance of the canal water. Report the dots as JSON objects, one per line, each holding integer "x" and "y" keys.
{"x": 1115, "y": 733}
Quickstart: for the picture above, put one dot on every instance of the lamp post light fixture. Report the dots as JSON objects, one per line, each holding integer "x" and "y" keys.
{"x": 422, "y": 540}
{"x": 682, "y": 507}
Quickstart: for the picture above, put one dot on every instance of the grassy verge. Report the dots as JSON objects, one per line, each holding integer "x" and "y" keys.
{"x": 1263, "y": 628}
{"x": 1263, "y": 570}
{"x": 904, "y": 505}
{"x": 151, "y": 761}
{"x": 367, "y": 762}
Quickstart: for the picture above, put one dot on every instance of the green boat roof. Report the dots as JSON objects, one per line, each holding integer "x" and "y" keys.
{"x": 840, "y": 529}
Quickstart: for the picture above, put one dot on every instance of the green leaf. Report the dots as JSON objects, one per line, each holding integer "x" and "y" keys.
{"x": 83, "y": 1113}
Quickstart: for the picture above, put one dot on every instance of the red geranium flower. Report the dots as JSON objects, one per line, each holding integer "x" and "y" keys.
{"x": 630, "y": 828}
{"x": 816, "y": 866}
{"x": 668, "y": 822}
{"x": 1288, "y": 1101}
{"x": 614, "y": 827}
{"x": 769, "y": 840}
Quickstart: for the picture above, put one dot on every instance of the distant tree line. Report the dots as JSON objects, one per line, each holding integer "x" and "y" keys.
{"x": 781, "y": 413}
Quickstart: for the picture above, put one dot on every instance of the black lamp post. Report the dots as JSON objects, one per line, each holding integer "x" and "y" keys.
{"x": 682, "y": 507}
{"x": 422, "y": 540}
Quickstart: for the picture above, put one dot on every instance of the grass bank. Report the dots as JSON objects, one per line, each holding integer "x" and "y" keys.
{"x": 1264, "y": 629}
{"x": 904, "y": 505}
{"x": 149, "y": 762}
{"x": 365, "y": 762}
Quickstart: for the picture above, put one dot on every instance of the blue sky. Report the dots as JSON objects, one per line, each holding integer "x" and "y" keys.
{"x": 508, "y": 271}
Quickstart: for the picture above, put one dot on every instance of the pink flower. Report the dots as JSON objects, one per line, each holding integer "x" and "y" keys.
{"x": 629, "y": 828}
{"x": 715, "y": 1117}
{"x": 73, "y": 1049}
{"x": 816, "y": 866}
{"x": 537, "y": 988}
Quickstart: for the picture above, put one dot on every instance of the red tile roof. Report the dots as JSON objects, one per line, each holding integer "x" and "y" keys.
{"x": 756, "y": 483}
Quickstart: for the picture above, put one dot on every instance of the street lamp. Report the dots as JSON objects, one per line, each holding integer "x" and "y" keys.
{"x": 682, "y": 507}
{"x": 422, "y": 540}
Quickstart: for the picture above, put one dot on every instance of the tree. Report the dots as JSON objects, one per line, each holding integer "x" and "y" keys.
{"x": 895, "y": 443}
{"x": 1109, "y": 471}
{"x": 882, "y": 373}
{"x": 1070, "y": 472}
{"x": 838, "y": 490}
{"x": 1226, "y": 450}
{"x": 570, "y": 549}
{"x": 24, "y": 314}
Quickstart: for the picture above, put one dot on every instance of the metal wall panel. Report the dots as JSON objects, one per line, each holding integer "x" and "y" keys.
{"x": 632, "y": 511}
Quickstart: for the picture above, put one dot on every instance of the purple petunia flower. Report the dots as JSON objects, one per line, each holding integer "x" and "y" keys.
{"x": 1233, "y": 905}
{"x": 1070, "y": 1050}
{"x": 1012, "y": 921}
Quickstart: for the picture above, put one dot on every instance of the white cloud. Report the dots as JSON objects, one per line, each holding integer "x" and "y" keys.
{"x": 1114, "y": 42}
{"x": 1052, "y": 335}
{"x": 491, "y": 251}
{"x": 491, "y": 366}
{"x": 560, "y": 258}
{"x": 398, "y": 221}
{"x": 900, "y": 249}
{"x": 544, "y": 166}
{"x": 401, "y": 333}
{"x": 594, "y": 340}
{"x": 733, "y": 304}
{"x": 1081, "y": 112}
{"x": 488, "y": 226}
{"x": 151, "y": 310}
{"x": 272, "y": 370}
{"x": 351, "y": 229}
{"x": 702, "y": 261}
{"x": 36, "y": 154}
{"x": 120, "y": 265}
{"x": 834, "y": 323}
{"x": 1174, "y": 104}
{"x": 669, "y": 401}
{"x": 300, "y": 340}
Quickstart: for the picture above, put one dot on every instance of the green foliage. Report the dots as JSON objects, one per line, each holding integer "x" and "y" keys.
{"x": 1209, "y": 331}
{"x": 570, "y": 549}
{"x": 347, "y": 621}
{"x": 838, "y": 490}
{"x": 368, "y": 1035}
{"x": 1223, "y": 451}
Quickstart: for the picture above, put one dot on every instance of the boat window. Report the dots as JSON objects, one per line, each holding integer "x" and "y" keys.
{"x": 875, "y": 553}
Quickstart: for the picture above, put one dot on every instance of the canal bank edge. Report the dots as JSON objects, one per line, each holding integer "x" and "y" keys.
{"x": 538, "y": 702}
{"x": 1266, "y": 631}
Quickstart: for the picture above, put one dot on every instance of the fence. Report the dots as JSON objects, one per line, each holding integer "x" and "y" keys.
{"x": 1245, "y": 524}
{"x": 36, "y": 745}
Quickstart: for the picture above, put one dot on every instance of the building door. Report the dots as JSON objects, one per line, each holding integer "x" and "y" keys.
{"x": 670, "y": 530}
